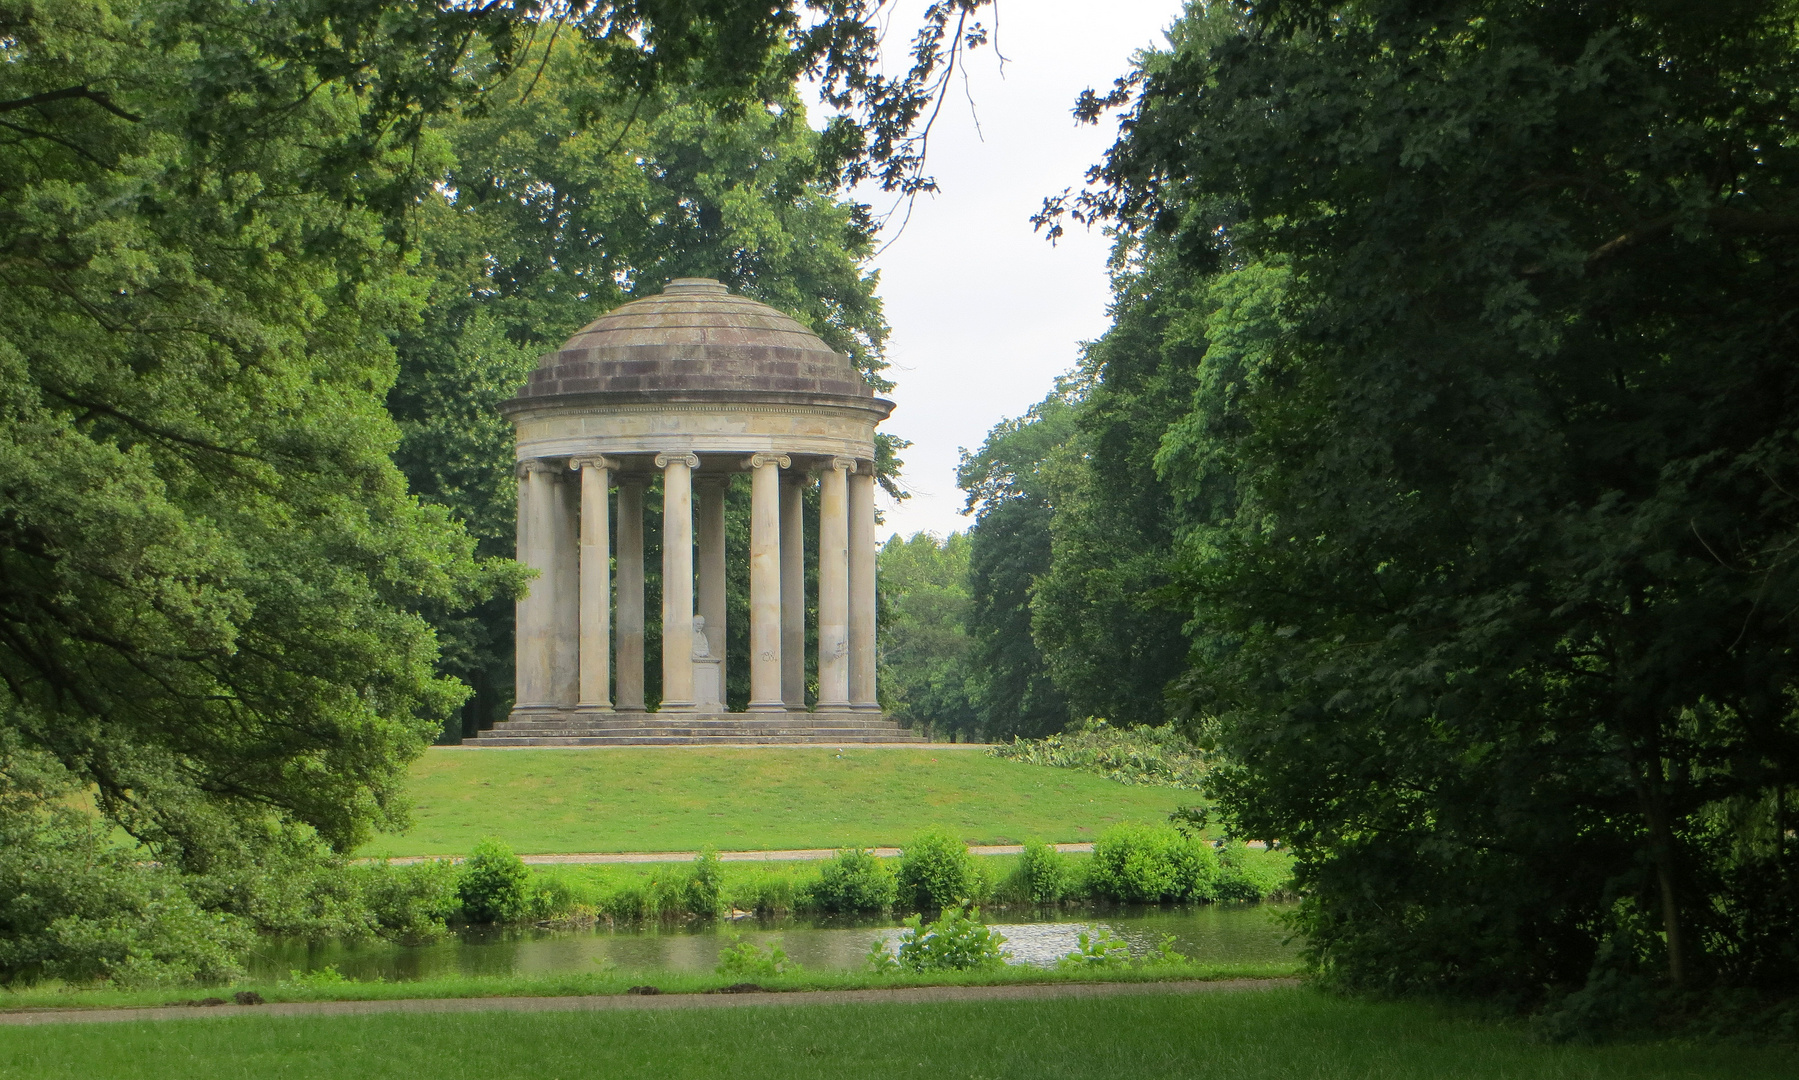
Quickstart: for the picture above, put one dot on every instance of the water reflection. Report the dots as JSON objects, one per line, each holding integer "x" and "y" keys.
{"x": 1215, "y": 933}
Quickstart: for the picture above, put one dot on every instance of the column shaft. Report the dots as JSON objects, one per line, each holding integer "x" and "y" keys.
{"x": 535, "y": 614}
{"x": 677, "y": 579}
{"x": 711, "y": 492}
{"x": 629, "y": 646}
{"x": 793, "y": 591}
{"x": 765, "y": 583}
{"x": 596, "y": 584}
{"x": 565, "y": 662}
{"x": 833, "y": 587}
{"x": 862, "y": 591}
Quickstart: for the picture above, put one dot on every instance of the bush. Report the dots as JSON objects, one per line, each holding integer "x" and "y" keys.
{"x": 705, "y": 887}
{"x": 495, "y": 885}
{"x": 746, "y": 959}
{"x": 75, "y": 907}
{"x": 936, "y": 872}
{"x": 853, "y": 881}
{"x": 1161, "y": 756}
{"x": 1100, "y": 950}
{"x": 772, "y": 894}
{"x": 1149, "y": 864}
{"x": 1042, "y": 875}
{"x": 1246, "y": 873}
{"x": 411, "y": 903}
{"x": 957, "y": 941}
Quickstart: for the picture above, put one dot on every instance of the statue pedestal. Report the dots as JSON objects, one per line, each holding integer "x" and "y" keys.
{"x": 708, "y": 684}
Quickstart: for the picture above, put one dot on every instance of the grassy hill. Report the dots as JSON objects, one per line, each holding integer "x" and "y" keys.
{"x": 680, "y": 799}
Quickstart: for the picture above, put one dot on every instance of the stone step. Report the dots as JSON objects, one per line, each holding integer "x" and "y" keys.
{"x": 694, "y": 740}
{"x": 526, "y": 728}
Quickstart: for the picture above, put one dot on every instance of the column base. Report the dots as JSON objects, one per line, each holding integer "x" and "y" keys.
{"x": 767, "y": 707}
{"x": 595, "y": 706}
{"x": 866, "y": 706}
{"x": 833, "y": 706}
{"x": 677, "y": 706}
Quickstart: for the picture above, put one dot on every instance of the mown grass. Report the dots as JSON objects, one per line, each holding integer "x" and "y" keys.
{"x": 618, "y": 981}
{"x": 1279, "y": 1034}
{"x": 657, "y": 799}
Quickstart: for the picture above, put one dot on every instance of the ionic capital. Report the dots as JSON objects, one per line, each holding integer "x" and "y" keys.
{"x": 534, "y": 465}
{"x": 595, "y": 461}
{"x": 756, "y": 461}
{"x": 687, "y": 457}
{"x": 848, "y": 464}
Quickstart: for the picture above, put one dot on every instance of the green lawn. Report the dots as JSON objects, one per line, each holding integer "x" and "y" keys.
{"x": 1252, "y": 1035}
{"x": 652, "y": 799}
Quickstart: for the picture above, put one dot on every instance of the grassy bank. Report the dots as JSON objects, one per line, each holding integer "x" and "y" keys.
{"x": 654, "y": 799}
{"x": 1264, "y": 1035}
{"x": 618, "y": 981}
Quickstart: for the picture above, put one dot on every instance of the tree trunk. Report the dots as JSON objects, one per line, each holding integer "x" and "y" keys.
{"x": 1661, "y": 853}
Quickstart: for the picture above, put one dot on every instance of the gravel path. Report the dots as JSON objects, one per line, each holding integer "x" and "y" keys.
{"x": 633, "y": 1002}
{"x": 794, "y": 855}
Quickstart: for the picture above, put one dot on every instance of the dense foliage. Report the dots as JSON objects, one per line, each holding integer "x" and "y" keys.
{"x": 925, "y": 674}
{"x": 1162, "y": 756}
{"x": 221, "y": 608}
{"x": 1458, "y": 338}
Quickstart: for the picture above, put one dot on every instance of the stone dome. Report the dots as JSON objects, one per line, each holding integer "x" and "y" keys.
{"x": 696, "y": 340}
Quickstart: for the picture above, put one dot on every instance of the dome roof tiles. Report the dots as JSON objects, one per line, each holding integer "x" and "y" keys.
{"x": 695, "y": 338}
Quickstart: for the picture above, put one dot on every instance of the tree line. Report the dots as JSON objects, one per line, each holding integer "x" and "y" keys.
{"x": 1440, "y": 473}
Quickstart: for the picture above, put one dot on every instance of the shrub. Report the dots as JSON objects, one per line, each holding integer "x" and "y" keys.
{"x": 494, "y": 885}
{"x": 74, "y": 906}
{"x": 1148, "y": 864}
{"x": 853, "y": 881}
{"x": 957, "y": 941}
{"x": 1246, "y": 873}
{"x": 1100, "y": 950}
{"x": 936, "y": 872}
{"x": 628, "y": 904}
{"x": 1041, "y": 876}
{"x": 1161, "y": 756}
{"x": 772, "y": 894}
{"x": 705, "y": 886}
{"x": 411, "y": 903}
{"x": 747, "y": 959}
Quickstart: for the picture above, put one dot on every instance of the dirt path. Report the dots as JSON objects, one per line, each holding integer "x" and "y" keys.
{"x": 632, "y": 1002}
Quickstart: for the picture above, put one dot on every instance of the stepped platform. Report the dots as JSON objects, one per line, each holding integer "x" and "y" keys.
{"x": 584, "y": 727}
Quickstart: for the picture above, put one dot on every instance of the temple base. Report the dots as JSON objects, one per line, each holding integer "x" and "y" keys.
{"x": 590, "y": 727}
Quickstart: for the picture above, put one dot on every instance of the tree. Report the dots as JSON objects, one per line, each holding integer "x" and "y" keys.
{"x": 1490, "y": 472}
{"x": 1009, "y": 547}
{"x": 1103, "y": 612}
{"x": 216, "y": 592}
{"x": 924, "y": 639}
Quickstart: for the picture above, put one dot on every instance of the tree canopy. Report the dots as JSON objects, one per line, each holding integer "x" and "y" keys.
{"x": 221, "y": 607}
{"x": 1482, "y": 480}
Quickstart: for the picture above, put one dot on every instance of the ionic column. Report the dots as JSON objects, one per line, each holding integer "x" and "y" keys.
{"x": 793, "y": 590}
{"x": 534, "y": 617}
{"x": 629, "y": 645}
{"x": 711, "y": 491}
{"x": 596, "y": 583}
{"x": 833, "y": 586}
{"x": 765, "y": 581}
{"x": 862, "y": 591}
{"x": 677, "y": 579}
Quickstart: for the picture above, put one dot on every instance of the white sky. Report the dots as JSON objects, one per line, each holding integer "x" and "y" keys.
{"x": 985, "y": 313}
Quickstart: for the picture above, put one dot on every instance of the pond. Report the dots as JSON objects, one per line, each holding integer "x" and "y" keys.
{"x": 1213, "y": 933}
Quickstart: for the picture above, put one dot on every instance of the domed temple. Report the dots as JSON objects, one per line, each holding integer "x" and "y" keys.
{"x": 697, "y": 384}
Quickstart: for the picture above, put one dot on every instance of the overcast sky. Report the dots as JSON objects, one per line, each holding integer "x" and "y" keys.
{"x": 985, "y": 313}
